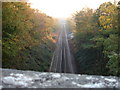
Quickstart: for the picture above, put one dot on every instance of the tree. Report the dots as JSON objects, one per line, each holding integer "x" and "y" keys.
{"x": 99, "y": 30}
{"x": 25, "y": 31}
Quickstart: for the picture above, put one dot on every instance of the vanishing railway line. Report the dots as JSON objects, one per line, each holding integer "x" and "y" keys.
{"x": 62, "y": 61}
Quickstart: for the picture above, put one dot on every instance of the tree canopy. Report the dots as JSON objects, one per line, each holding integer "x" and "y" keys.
{"x": 99, "y": 30}
{"x": 23, "y": 30}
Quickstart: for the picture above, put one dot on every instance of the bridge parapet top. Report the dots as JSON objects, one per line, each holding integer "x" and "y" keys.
{"x": 31, "y": 79}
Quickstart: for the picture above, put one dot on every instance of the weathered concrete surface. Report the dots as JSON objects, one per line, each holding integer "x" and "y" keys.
{"x": 31, "y": 79}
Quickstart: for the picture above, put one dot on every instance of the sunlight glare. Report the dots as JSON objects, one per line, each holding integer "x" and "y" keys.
{"x": 64, "y": 8}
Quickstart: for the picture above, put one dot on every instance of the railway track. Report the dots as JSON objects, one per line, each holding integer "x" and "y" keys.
{"x": 61, "y": 61}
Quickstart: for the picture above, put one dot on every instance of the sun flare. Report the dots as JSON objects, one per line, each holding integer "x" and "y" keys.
{"x": 64, "y": 8}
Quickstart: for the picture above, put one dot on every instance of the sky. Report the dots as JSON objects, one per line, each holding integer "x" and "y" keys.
{"x": 64, "y": 8}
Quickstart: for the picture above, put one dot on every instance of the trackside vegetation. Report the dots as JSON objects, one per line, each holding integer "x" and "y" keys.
{"x": 97, "y": 40}
{"x": 27, "y": 41}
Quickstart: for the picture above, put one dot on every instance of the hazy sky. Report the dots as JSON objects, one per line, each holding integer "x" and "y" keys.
{"x": 64, "y": 8}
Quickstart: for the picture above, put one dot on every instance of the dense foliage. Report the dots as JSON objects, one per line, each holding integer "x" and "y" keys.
{"x": 97, "y": 40}
{"x": 26, "y": 40}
